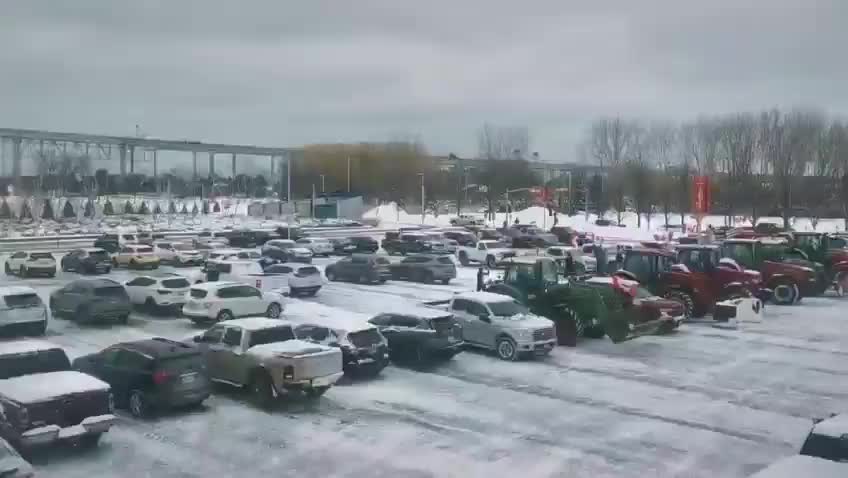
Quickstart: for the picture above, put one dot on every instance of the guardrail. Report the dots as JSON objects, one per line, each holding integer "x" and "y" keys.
{"x": 68, "y": 242}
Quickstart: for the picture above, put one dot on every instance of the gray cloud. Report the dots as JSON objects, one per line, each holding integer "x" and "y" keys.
{"x": 289, "y": 73}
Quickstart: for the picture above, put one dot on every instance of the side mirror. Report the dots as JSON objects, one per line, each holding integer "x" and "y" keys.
{"x": 484, "y": 316}
{"x": 333, "y": 344}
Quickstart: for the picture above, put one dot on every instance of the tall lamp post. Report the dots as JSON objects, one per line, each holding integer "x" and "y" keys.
{"x": 322, "y": 184}
{"x": 423, "y": 209}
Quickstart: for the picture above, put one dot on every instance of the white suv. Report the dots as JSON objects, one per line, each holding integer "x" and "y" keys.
{"x": 22, "y": 311}
{"x": 177, "y": 253}
{"x": 218, "y": 301}
{"x": 167, "y": 291}
{"x": 318, "y": 246}
{"x": 28, "y": 264}
{"x": 303, "y": 279}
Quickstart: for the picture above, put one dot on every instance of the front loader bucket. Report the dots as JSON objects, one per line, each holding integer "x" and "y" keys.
{"x": 620, "y": 327}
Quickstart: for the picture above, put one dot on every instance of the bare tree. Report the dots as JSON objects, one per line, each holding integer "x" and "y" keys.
{"x": 498, "y": 144}
{"x": 737, "y": 141}
{"x": 662, "y": 141}
{"x": 610, "y": 140}
{"x": 639, "y": 173}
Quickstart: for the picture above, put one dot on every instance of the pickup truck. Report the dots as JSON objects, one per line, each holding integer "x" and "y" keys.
{"x": 263, "y": 356}
{"x": 500, "y": 323}
{"x": 486, "y": 252}
{"x": 43, "y": 401}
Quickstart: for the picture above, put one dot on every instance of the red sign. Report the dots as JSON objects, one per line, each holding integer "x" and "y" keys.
{"x": 701, "y": 191}
{"x": 543, "y": 194}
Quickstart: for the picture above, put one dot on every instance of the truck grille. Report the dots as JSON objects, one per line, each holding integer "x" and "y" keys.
{"x": 543, "y": 334}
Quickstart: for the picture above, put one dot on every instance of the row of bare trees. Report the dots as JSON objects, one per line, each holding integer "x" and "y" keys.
{"x": 771, "y": 162}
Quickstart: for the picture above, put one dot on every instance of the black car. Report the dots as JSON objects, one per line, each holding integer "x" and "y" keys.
{"x": 288, "y": 232}
{"x": 92, "y": 300}
{"x": 87, "y": 261}
{"x": 151, "y": 374}
{"x": 424, "y": 268}
{"x": 420, "y": 334}
{"x": 365, "y": 351}
{"x": 407, "y": 243}
{"x": 343, "y": 246}
{"x": 108, "y": 242}
{"x": 247, "y": 238}
{"x": 462, "y": 238}
{"x": 364, "y": 245}
{"x": 364, "y": 268}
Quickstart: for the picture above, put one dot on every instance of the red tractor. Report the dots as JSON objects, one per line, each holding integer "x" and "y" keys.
{"x": 699, "y": 281}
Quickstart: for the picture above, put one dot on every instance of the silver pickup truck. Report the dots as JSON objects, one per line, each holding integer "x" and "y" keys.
{"x": 264, "y": 356}
{"x": 500, "y": 323}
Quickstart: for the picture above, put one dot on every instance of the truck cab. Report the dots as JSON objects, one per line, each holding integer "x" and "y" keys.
{"x": 488, "y": 252}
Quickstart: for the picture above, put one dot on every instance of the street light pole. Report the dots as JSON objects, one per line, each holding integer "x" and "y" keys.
{"x": 322, "y": 184}
{"x": 570, "y": 203}
{"x": 348, "y": 174}
{"x": 422, "y": 197}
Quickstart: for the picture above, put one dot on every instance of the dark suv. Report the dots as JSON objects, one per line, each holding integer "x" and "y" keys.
{"x": 406, "y": 243}
{"x": 364, "y": 268}
{"x": 87, "y": 261}
{"x": 108, "y": 242}
{"x": 247, "y": 238}
{"x": 366, "y": 245}
{"x": 420, "y": 334}
{"x": 151, "y": 374}
{"x": 92, "y": 300}
{"x": 424, "y": 268}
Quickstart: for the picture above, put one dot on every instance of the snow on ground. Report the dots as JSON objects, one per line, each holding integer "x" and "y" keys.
{"x": 703, "y": 402}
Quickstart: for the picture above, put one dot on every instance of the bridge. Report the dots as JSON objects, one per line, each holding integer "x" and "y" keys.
{"x": 20, "y": 140}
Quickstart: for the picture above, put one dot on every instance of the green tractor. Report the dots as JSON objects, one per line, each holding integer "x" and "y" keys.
{"x": 828, "y": 253}
{"x": 579, "y": 308}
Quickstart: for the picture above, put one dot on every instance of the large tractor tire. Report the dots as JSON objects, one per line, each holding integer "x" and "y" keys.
{"x": 684, "y": 298}
{"x": 785, "y": 293}
{"x": 569, "y": 327}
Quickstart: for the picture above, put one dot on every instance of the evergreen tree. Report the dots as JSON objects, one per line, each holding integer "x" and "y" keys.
{"x": 47, "y": 210}
{"x": 128, "y": 209}
{"x": 89, "y": 209}
{"x": 68, "y": 211}
{"x": 5, "y": 212}
{"x": 108, "y": 210}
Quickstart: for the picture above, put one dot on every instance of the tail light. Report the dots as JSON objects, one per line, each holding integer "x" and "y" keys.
{"x": 160, "y": 377}
{"x": 288, "y": 373}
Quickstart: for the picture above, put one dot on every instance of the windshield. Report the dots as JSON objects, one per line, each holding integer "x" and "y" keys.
{"x": 99, "y": 255}
{"x": 508, "y": 309}
{"x": 198, "y": 293}
{"x": 773, "y": 252}
{"x": 179, "y": 283}
{"x": 41, "y": 361}
{"x": 41, "y": 255}
{"x": 22, "y": 301}
{"x": 270, "y": 335}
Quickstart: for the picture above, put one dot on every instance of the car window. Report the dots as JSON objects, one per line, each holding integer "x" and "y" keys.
{"x": 18, "y": 255}
{"x": 22, "y": 301}
{"x": 445, "y": 260}
{"x": 307, "y": 271}
{"x": 404, "y": 321}
{"x": 109, "y": 291}
{"x": 97, "y": 255}
{"x": 380, "y": 320}
{"x": 213, "y": 335}
{"x": 41, "y": 255}
{"x": 460, "y": 304}
{"x": 131, "y": 359}
{"x": 126, "y": 250}
{"x": 141, "y": 282}
{"x": 315, "y": 333}
{"x": 228, "y": 292}
{"x": 475, "y": 308}
{"x": 198, "y": 293}
{"x": 247, "y": 291}
{"x": 110, "y": 356}
{"x": 271, "y": 335}
{"x": 232, "y": 336}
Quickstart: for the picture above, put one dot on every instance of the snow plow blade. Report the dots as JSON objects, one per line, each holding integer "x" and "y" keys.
{"x": 620, "y": 329}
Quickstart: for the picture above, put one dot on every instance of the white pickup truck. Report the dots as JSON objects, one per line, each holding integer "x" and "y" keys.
{"x": 488, "y": 252}
{"x": 500, "y": 323}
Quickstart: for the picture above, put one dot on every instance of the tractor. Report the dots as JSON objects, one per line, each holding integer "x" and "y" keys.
{"x": 830, "y": 251}
{"x": 694, "y": 276}
{"x": 789, "y": 278}
{"x": 578, "y": 309}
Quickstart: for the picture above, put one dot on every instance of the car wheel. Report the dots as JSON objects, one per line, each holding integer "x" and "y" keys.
{"x": 785, "y": 293}
{"x": 684, "y": 298}
{"x": 446, "y": 281}
{"x": 22, "y": 272}
{"x": 261, "y": 389}
{"x": 491, "y": 263}
{"x": 506, "y": 349}
{"x": 90, "y": 441}
{"x": 331, "y": 276}
{"x": 8, "y": 269}
{"x": 224, "y": 315}
{"x": 273, "y": 311}
{"x": 115, "y": 263}
{"x": 427, "y": 277}
{"x": 841, "y": 284}
{"x": 138, "y": 404}
{"x": 315, "y": 392}
{"x": 82, "y": 314}
{"x": 150, "y": 304}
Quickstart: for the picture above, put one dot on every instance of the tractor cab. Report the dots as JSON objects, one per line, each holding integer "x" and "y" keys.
{"x": 648, "y": 265}
{"x": 531, "y": 275}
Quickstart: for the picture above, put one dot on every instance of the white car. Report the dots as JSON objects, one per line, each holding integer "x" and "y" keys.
{"x": 218, "y": 301}
{"x": 167, "y": 291}
{"x": 318, "y": 246}
{"x": 22, "y": 310}
{"x": 232, "y": 254}
{"x": 303, "y": 279}
{"x": 27, "y": 264}
{"x": 286, "y": 250}
{"x": 177, "y": 253}
{"x": 486, "y": 252}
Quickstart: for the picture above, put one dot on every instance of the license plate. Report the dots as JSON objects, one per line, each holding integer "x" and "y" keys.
{"x": 188, "y": 378}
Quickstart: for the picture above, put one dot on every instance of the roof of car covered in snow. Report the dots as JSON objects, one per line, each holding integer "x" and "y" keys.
{"x": 257, "y": 323}
{"x": 46, "y": 386}
{"x": 484, "y": 297}
{"x": 413, "y": 310}
{"x": 834, "y": 427}
{"x": 763, "y": 240}
{"x": 25, "y": 346}
{"x": 802, "y": 465}
{"x": 16, "y": 290}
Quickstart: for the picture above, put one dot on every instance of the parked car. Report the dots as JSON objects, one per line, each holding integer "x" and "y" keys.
{"x": 247, "y": 238}
{"x": 365, "y": 351}
{"x": 220, "y": 301}
{"x": 827, "y": 439}
{"x": 286, "y": 250}
{"x": 461, "y": 238}
{"x": 288, "y": 232}
{"x": 92, "y": 300}
{"x": 486, "y": 252}
{"x": 205, "y": 246}
{"x": 108, "y": 242}
{"x": 303, "y": 279}
{"x": 44, "y": 401}
{"x": 233, "y": 254}
{"x": 177, "y": 253}
{"x": 530, "y": 236}
{"x": 364, "y": 268}
{"x": 92, "y": 260}
{"x": 264, "y": 356}
{"x": 420, "y": 333}
{"x": 318, "y": 246}
{"x": 364, "y": 245}
{"x": 22, "y": 312}
{"x": 150, "y": 375}
{"x": 490, "y": 235}
{"x": 406, "y": 243}
{"x": 12, "y": 465}
{"x": 466, "y": 220}
{"x": 564, "y": 234}
{"x": 135, "y": 256}
{"x": 28, "y": 264}
{"x": 343, "y": 245}
{"x": 803, "y": 466}
{"x": 501, "y": 323}
{"x": 424, "y": 268}
{"x": 167, "y": 291}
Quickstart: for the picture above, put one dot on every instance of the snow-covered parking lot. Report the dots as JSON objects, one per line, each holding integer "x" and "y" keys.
{"x": 704, "y": 402}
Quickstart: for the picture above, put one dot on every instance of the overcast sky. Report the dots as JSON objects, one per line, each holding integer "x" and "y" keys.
{"x": 287, "y": 73}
